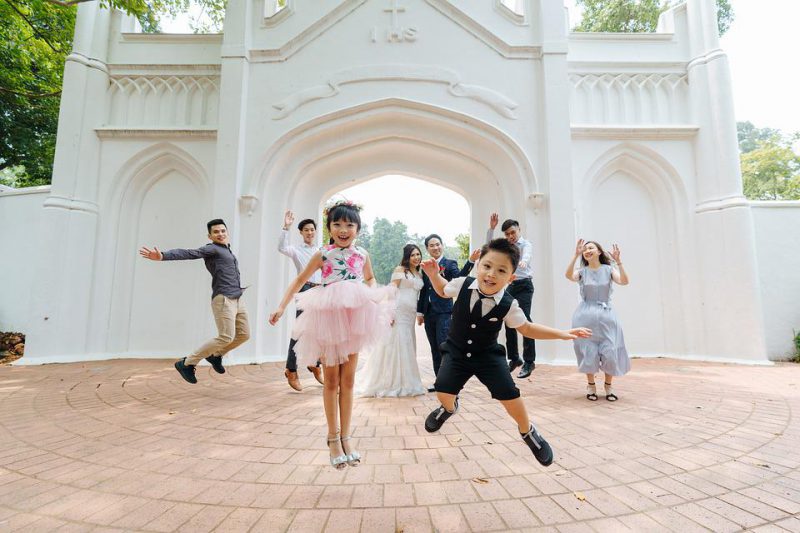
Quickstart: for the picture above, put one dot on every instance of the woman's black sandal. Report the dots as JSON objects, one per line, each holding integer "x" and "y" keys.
{"x": 591, "y": 392}
{"x": 610, "y": 396}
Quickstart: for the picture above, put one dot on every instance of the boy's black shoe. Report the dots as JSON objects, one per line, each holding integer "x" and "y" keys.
{"x": 515, "y": 364}
{"x": 527, "y": 368}
{"x": 541, "y": 450}
{"x": 216, "y": 362}
{"x": 438, "y": 417}
{"x": 186, "y": 371}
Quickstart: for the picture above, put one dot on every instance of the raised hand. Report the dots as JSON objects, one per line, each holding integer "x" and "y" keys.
{"x": 579, "y": 333}
{"x": 494, "y": 218}
{"x": 274, "y": 317}
{"x": 579, "y": 247}
{"x": 288, "y": 219}
{"x": 153, "y": 255}
{"x": 615, "y": 254}
{"x": 430, "y": 267}
{"x": 475, "y": 255}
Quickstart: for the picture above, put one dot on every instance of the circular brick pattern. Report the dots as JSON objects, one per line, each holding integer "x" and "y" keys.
{"x": 128, "y": 445}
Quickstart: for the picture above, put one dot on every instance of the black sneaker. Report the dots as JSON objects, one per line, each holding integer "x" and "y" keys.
{"x": 186, "y": 371}
{"x": 515, "y": 364}
{"x": 216, "y": 362}
{"x": 438, "y": 417}
{"x": 541, "y": 450}
{"x": 527, "y": 368}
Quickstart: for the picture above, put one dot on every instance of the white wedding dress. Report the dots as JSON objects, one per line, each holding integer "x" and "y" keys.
{"x": 390, "y": 368}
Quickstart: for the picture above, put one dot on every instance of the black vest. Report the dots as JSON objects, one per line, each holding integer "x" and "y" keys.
{"x": 469, "y": 333}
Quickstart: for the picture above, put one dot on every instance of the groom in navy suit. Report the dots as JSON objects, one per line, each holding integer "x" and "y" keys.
{"x": 431, "y": 308}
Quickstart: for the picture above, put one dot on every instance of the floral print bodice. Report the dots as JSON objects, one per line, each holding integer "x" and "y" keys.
{"x": 342, "y": 264}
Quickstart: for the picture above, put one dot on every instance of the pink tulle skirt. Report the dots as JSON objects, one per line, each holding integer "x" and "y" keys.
{"x": 339, "y": 319}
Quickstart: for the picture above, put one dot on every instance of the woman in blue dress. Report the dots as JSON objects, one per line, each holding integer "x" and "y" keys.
{"x": 605, "y": 349}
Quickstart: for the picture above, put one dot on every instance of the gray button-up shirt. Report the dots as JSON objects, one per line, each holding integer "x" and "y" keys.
{"x": 525, "y": 269}
{"x": 220, "y": 262}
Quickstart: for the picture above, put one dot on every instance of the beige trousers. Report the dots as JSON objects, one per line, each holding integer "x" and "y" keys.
{"x": 233, "y": 328}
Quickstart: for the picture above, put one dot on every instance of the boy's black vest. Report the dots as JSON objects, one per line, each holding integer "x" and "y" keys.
{"x": 469, "y": 331}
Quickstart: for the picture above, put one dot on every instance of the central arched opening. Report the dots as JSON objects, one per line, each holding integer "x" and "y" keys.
{"x": 312, "y": 162}
{"x": 398, "y": 210}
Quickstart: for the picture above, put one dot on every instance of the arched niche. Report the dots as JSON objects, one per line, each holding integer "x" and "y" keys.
{"x": 633, "y": 197}
{"x": 160, "y": 196}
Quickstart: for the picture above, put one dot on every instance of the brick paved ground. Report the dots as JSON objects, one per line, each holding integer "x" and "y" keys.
{"x": 127, "y": 445}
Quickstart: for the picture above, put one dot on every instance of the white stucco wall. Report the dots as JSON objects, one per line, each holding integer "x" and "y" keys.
{"x": 21, "y": 217}
{"x": 777, "y": 228}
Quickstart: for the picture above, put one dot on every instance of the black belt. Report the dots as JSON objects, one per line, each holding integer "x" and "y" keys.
{"x": 310, "y": 284}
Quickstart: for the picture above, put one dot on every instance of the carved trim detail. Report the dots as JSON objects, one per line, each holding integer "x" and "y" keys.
{"x": 163, "y": 101}
{"x": 497, "y": 101}
{"x": 629, "y": 98}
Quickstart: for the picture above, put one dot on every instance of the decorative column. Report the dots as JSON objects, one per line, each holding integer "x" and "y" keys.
{"x": 732, "y": 324}
{"x": 555, "y": 169}
{"x": 62, "y": 295}
{"x": 231, "y": 158}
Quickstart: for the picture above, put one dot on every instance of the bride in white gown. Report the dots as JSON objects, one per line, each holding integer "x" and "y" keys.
{"x": 391, "y": 369}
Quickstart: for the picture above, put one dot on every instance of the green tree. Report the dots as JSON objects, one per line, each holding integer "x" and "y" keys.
{"x": 771, "y": 171}
{"x": 386, "y": 247}
{"x": 462, "y": 242}
{"x": 750, "y": 136}
{"x": 35, "y": 39}
{"x": 637, "y": 15}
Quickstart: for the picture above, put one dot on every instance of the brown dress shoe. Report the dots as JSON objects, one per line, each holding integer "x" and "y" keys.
{"x": 317, "y": 371}
{"x": 294, "y": 381}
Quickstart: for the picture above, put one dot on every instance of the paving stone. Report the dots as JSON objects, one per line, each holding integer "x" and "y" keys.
{"x": 241, "y": 452}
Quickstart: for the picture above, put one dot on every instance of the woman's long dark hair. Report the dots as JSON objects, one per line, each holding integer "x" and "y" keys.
{"x": 604, "y": 258}
{"x": 405, "y": 262}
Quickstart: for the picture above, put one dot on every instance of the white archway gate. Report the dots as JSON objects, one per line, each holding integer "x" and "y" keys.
{"x": 568, "y": 133}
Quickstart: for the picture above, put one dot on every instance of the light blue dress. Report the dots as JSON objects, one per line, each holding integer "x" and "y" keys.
{"x": 605, "y": 350}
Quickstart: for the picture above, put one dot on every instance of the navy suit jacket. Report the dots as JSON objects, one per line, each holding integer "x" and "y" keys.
{"x": 429, "y": 302}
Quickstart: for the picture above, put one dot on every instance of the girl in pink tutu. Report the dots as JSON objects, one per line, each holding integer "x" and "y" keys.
{"x": 343, "y": 315}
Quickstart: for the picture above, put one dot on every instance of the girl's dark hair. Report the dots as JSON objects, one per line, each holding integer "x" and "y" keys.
{"x": 408, "y": 249}
{"x": 346, "y": 212}
{"x": 604, "y": 258}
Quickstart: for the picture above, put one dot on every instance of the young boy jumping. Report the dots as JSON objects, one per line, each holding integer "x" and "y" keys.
{"x": 482, "y": 306}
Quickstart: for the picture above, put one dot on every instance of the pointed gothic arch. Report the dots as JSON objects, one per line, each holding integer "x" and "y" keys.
{"x": 632, "y": 194}
{"x": 159, "y": 172}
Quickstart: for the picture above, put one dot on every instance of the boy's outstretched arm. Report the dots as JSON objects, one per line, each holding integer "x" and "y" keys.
{"x": 438, "y": 283}
{"x": 538, "y": 331}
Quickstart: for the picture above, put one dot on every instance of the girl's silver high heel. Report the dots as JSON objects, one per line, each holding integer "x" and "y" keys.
{"x": 353, "y": 458}
{"x": 340, "y": 461}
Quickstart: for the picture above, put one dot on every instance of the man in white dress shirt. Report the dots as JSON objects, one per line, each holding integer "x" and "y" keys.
{"x": 522, "y": 290}
{"x": 300, "y": 256}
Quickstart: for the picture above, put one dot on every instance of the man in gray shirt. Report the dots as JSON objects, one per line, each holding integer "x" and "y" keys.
{"x": 230, "y": 314}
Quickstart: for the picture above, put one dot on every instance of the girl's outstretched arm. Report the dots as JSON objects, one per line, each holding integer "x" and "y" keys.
{"x": 618, "y": 274}
{"x": 298, "y": 282}
{"x": 570, "y": 273}
{"x": 369, "y": 275}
